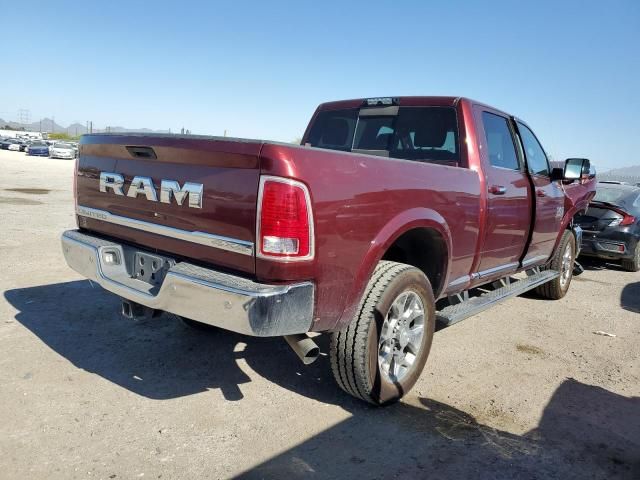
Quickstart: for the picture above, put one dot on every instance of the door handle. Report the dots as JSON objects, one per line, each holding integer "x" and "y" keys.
{"x": 541, "y": 193}
{"x": 497, "y": 190}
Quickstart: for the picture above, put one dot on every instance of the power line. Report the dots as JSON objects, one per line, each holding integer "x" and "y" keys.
{"x": 24, "y": 116}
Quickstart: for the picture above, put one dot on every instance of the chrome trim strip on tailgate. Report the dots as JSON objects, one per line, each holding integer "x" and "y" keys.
{"x": 202, "y": 238}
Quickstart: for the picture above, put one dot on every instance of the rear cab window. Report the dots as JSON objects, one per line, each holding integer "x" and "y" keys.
{"x": 422, "y": 134}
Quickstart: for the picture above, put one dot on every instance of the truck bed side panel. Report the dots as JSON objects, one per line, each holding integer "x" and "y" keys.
{"x": 354, "y": 198}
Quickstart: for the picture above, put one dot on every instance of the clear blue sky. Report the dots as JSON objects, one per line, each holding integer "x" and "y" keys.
{"x": 258, "y": 69}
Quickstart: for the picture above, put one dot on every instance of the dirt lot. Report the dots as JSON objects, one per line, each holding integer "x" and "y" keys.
{"x": 526, "y": 390}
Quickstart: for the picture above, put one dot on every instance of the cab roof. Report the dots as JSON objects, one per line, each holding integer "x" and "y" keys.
{"x": 383, "y": 101}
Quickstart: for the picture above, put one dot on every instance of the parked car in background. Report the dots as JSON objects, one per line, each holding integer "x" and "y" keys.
{"x": 16, "y": 145}
{"x": 75, "y": 147}
{"x": 611, "y": 225}
{"x": 38, "y": 148}
{"x": 62, "y": 150}
{"x": 4, "y": 144}
{"x": 613, "y": 182}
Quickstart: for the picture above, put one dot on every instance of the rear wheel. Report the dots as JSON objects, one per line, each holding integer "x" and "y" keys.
{"x": 379, "y": 356}
{"x": 633, "y": 265}
{"x": 562, "y": 261}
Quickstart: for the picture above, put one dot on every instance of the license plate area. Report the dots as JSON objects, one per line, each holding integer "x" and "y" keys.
{"x": 151, "y": 268}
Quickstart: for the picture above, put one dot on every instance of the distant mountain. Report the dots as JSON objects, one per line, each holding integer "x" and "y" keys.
{"x": 633, "y": 171}
{"x": 76, "y": 129}
{"x": 48, "y": 125}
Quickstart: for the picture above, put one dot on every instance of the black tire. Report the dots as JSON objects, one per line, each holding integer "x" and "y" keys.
{"x": 354, "y": 350}
{"x": 632, "y": 265}
{"x": 558, "y": 287}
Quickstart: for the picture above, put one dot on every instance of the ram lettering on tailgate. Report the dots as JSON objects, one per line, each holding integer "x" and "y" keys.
{"x": 145, "y": 186}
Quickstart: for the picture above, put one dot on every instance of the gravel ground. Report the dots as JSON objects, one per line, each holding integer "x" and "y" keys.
{"x": 525, "y": 390}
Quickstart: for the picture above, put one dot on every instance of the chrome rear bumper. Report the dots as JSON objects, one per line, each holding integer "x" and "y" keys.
{"x": 219, "y": 299}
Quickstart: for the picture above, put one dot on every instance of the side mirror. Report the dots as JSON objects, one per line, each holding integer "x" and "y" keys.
{"x": 577, "y": 168}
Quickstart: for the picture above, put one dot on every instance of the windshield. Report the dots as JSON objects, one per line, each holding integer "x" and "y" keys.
{"x": 38, "y": 143}
{"x": 623, "y": 197}
{"x": 62, "y": 145}
{"x": 425, "y": 134}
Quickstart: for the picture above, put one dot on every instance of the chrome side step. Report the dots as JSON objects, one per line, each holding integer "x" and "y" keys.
{"x": 468, "y": 306}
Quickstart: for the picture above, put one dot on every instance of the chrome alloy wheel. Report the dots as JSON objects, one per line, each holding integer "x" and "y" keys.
{"x": 567, "y": 265}
{"x": 401, "y": 336}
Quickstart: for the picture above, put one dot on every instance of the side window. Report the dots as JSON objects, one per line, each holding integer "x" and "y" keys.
{"x": 536, "y": 158}
{"x": 502, "y": 151}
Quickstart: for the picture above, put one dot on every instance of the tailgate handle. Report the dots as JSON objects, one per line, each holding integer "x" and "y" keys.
{"x": 142, "y": 152}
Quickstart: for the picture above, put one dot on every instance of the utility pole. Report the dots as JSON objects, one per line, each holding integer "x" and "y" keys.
{"x": 24, "y": 116}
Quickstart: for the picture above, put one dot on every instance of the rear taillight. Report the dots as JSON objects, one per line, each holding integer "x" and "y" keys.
{"x": 628, "y": 220}
{"x": 623, "y": 219}
{"x": 285, "y": 221}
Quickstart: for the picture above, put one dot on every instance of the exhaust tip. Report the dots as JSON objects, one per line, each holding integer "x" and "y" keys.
{"x": 311, "y": 356}
{"x": 306, "y": 349}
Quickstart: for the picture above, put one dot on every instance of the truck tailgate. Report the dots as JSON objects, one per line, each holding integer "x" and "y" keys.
{"x": 221, "y": 232}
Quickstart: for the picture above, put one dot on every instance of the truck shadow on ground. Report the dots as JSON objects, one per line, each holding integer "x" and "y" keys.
{"x": 585, "y": 431}
{"x": 630, "y": 297}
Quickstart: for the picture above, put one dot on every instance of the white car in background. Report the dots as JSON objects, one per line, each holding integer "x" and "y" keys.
{"x": 17, "y": 145}
{"x": 62, "y": 150}
{"x": 75, "y": 146}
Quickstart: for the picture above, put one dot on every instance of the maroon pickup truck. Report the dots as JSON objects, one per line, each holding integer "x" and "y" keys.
{"x": 393, "y": 215}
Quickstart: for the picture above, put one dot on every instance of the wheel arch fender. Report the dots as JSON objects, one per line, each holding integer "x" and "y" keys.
{"x": 402, "y": 223}
{"x": 567, "y": 220}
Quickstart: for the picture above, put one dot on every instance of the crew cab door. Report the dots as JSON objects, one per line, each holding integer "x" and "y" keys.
{"x": 508, "y": 216}
{"x": 548, "y": 197}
